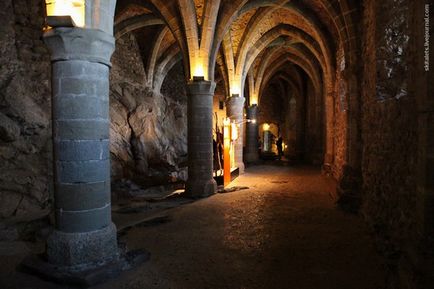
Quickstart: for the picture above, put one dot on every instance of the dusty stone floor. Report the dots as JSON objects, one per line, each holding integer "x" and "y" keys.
{"x": 282, "y": 232}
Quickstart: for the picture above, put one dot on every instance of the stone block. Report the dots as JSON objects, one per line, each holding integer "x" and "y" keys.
{"x": 83, "y": 250}
{"x": 198, "y": 188}
{"x": 77, "y": 86}
{"x": 74, "y": 197}
{"x": 83, "y": 221}
{"x": 81, "y": 150}
{"x": 81, "y": 129}
{"x": 80, "y": 107}
{"x": 83, "y": 171}
{"x": 87, "y": 275}
{"x": 80, "y": 69}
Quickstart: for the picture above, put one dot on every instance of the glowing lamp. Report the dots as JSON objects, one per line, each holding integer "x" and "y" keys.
{"x": 235, "y": 90}
{"x": 65, "y": 13}
{"x": 198, "y": 71}
{"x": 266, "y": 127}
{"x": 254, "y": 99}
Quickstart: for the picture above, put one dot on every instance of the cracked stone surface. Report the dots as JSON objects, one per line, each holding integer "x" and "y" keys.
{"x": 282, "y": 232}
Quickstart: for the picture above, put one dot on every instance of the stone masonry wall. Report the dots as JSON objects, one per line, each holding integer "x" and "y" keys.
{"x": 389, "y": 133}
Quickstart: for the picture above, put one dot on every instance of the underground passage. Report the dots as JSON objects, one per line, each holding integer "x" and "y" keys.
{"x": 201, "y": 144}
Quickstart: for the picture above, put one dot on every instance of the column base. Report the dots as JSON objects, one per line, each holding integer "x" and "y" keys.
{"x": 83, "y": 250}
{"x": 200, "y": 188}
{"x": 39, "y": 266}
{"x": 241, "y": 167}
{"x": 349, "y": 190}
{"x": 252, "y": 158}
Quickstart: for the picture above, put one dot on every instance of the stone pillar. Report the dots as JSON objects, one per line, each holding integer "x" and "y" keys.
{"x": 84, "y": 235}
{"x": 200, "y": 152}
{"x": 235, "y": 111}
{"x": 252, "y": 144}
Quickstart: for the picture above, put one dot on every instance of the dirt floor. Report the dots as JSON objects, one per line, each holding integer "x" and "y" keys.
{"x": 283, "y": 232}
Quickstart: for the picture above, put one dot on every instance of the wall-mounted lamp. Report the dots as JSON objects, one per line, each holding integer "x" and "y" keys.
{"x": 235, "y": 90}
{"x": 254, "y": 99}
{"x": 266, "y": 127}
{"x": 198, "y": 71}
{"x": 65, "y": 13}
{"x": 246, "y": 120}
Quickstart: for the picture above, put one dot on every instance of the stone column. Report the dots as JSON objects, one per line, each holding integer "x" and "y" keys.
{"x": 234, "y": 110}
{"x": 252, "y": 135}
{"x": 200, "y": 152}
{"x": 84, "y": 235}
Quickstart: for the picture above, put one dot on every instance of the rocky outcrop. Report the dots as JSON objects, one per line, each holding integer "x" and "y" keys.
{"x": 148, "y": 129}
{"x": 25, "y": 130}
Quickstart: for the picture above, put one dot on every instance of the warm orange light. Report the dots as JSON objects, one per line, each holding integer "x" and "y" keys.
{"x": 235, "y": 89}
{"x": 198, "y": 70}
{"x": 227, "y": 151}
{"x": 266, "y": 127}
{"x": 73, "y": 8}
{"x": 254, "y": 99}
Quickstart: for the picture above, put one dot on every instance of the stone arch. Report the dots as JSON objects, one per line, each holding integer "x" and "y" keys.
{"x": 169, "y": 59}
{"x": 134, "y": 23}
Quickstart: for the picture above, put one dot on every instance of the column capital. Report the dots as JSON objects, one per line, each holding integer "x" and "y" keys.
{"x": 72, "y": 43}
{"x": 234, "y": 107}
{"x": 200, "y": 86}
{"x": 235, "y": 99}
{"x": 252, "y": 111}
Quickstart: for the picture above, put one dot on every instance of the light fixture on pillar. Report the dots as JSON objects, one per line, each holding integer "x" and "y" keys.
{"x": 65, "y": 13}
{"x": 235, "y": 90}
{"x": 198, "y": 72}
{"x": 254, "y": 99}
{"x": 266, "y": 127}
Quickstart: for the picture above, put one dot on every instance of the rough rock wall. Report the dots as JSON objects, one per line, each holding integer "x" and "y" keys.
{"x": 389, "y": 133}
{"x": 148, "y": 129}
{"x": 25, "y": 129}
